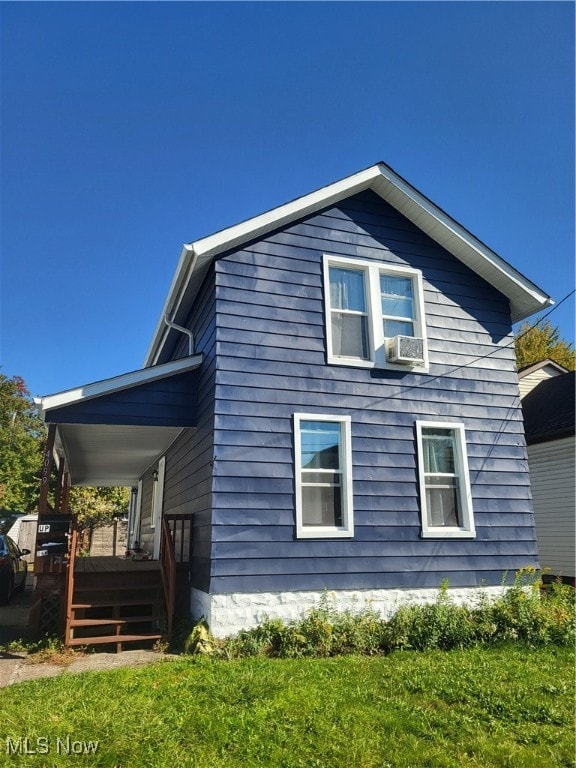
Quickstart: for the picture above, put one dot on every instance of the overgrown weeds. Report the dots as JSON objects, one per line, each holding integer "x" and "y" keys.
{"x": 47, "y": 650}
{"x": 523, "y": 613}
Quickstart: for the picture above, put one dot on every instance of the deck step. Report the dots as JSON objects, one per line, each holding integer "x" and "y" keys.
{"x": 103, "y": 639}
{"x": 103, "y": 622}
{"x": 104, "y": 603}
{"x": 117, "y": 587}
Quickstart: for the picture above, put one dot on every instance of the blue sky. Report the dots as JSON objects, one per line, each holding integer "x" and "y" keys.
{"x": 131, "y": 128}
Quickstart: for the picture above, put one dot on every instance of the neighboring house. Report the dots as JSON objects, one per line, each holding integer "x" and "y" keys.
{"x": 23, "y": 532}
{"x": 530, "y": 376}
{"x": 342, "y": 414}
{"x": 549, "y": 423}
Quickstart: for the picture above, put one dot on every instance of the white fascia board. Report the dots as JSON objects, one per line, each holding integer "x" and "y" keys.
{"x": 205, "y": 249}
{"x": 525, "y": 297}
{"x": 181, "y": 277}
{"x": 117, "y": 383}
{"x": 471, "y": 251}
{"x": 284, "y": 214}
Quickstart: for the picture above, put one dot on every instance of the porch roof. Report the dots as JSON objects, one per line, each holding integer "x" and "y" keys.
{"x": 109, "y": 432}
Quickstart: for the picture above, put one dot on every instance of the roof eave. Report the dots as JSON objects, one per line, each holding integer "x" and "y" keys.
{"x": 524, "y": 296}
{"x": 115, "y": 384}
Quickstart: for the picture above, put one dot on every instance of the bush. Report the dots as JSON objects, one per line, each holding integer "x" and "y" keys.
{"x": 443, "y": 625}
{"x": 523, "y": 613}
{"x": 528, "y": 613}
{"x": 322, "y": 632}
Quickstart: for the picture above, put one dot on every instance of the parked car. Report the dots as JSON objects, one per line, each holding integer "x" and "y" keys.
{"x": 13, "y": 568}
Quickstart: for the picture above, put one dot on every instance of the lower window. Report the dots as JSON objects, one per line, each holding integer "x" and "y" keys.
{"x": 323, "y": 475}
{"x": 445, "y": 497}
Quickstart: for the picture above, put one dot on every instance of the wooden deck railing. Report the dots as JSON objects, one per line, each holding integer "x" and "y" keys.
{"x": 181, "y": 527}
{"x": 168, "y": 571}
{"x": 70, "y": 582}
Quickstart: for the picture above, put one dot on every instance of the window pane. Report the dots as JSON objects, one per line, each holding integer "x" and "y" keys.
{"x": 320, "y": 442}
{"x": 438, "y": 447}
{"x": 442, "y": 504}
{"x": 349, "y": 335}
{"x": 398, "y": 328}
{"x": 347, "y": 289}
{"x": 397, "y": 298}
{"x": 321, "y": 506}
{"x": 320, "y": 478}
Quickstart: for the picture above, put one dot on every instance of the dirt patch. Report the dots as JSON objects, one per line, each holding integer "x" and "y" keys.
{"x": 19, "y": 668}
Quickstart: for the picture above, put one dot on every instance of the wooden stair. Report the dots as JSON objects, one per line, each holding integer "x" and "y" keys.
{"x": 116, "y": 608}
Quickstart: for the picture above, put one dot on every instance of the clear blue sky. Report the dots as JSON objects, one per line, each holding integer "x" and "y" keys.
{"x": 131, "y": 128}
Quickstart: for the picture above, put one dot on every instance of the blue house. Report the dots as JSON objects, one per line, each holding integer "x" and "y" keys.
{"x": 330, "y": 401}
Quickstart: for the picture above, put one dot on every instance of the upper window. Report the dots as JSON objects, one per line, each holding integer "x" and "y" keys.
{"x": 445, "y": 497}
{"x": 323, "y": 476}
{"x": 374, "y": 314}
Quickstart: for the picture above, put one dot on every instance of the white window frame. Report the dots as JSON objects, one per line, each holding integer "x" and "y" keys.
{"x": 467, "y": 529}
{"x": 346, "y": 530}
{"x": 377, "y": 342}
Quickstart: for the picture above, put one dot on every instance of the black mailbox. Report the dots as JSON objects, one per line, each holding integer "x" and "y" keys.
{"x": 52, "y": 534}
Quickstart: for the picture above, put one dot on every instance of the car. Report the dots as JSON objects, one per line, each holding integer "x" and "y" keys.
{"x": 13, "y": 568}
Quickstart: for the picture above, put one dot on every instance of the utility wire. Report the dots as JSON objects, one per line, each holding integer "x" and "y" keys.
{"x": 511, "y": 343}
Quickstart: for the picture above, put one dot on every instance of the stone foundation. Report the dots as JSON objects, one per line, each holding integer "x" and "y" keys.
{"x": 228, "y": 614}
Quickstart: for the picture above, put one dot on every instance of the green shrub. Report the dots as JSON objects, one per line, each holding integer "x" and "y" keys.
{"x": 523, "y": 613}
{"x": 443, "y": 625}
{"x": 322, "y": 632}
{"x": 528, "y": 613}
{"x": 266, "y": 639}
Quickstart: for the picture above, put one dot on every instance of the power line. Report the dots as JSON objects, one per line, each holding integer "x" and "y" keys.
{"x": 514, "y": 340}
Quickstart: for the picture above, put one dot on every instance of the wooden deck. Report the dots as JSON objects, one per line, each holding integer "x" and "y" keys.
{"x": 104, "y": 564}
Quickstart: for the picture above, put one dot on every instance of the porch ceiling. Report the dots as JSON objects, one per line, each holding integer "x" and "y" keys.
{"x": 107, "y": 454}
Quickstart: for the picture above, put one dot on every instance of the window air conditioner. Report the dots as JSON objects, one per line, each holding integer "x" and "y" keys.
{"x": 407, "y": 350}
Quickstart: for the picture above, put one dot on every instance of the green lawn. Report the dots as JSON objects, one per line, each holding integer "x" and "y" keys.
{"x": 481, "y": 707}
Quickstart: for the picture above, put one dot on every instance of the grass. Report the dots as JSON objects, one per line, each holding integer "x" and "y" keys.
{"x": 506, "y": 706}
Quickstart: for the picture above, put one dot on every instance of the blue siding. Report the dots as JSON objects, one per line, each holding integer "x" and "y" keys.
{"x": 188, "y": 479}
{"x": 271, "y": 362}
{"x": 169, "y": 402}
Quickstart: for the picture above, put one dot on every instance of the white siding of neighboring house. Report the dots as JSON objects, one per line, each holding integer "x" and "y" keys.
{"x": 531, "y": 380}
{"x": 552, "y": 472}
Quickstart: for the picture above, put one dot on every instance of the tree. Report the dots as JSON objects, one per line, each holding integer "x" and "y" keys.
{"x": 95, "y": 507}
{"x": 22, "y": 435}
{"x": 535, "y": 343}
{"x": 98, "y": 506}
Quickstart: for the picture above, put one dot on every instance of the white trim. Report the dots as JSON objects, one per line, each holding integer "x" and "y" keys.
{"x": 525, "y": 297}
{"x": 377, "y": 341}
{"x": 137, "y": 515}
{"x": 346, "y": 530}
{"x": 157, "y": 506}
{"x": 181, "y": 278}
{"x": 467, "y": 529}
{"x": 131, "y": 516}
{"x": 230, "y": 613}
{"x": 117, "y": 383}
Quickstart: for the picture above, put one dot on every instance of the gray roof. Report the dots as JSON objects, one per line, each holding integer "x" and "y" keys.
{"x": 549, "y": 409}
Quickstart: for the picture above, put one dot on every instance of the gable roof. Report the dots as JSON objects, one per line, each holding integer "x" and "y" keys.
{"x": 528, "y": 369}
{"x": 525, "y": 297}
{"x": 549, "y": 409}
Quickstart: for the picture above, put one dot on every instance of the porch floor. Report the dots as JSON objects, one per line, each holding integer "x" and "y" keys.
{"x": 111, "y": 564}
